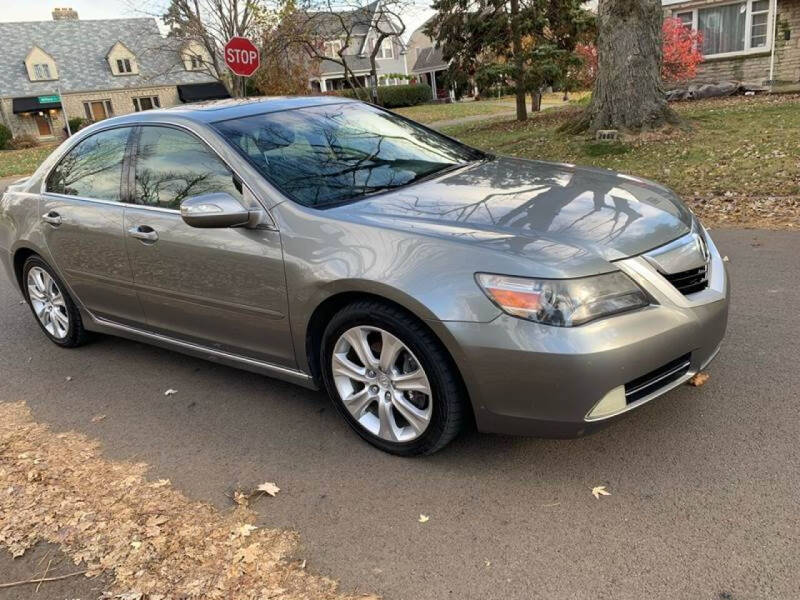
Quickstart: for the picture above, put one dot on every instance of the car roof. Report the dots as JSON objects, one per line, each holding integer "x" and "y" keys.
{"x": 234, "y": 108}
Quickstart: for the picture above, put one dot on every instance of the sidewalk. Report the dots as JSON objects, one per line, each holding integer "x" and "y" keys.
{"x": 512, "y": 111}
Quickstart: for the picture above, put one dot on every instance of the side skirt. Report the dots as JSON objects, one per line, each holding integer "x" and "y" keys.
{"x": 226, "y": 358}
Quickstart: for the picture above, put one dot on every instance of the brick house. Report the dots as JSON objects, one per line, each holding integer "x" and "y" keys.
{"x": 93, "y": 69}
{"x": 751, "y": 41}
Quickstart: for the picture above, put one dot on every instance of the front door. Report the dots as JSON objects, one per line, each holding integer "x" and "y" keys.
{"x": 98, "y": 111}
{"x": 221, "y": 288}
{"x": 43, "y": 125}
{"x": 82, "y": 224}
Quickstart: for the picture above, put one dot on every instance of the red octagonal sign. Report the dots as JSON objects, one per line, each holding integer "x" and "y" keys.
{"x": 241, "y": 56}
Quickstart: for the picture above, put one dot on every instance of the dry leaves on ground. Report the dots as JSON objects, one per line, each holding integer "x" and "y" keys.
{"x": 699, "y": 379}
{"x": 600, "y": 490}
{"x": 151, "y": 539}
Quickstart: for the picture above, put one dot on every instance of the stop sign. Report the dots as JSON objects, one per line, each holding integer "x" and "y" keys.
{"x": 241, "y": 56}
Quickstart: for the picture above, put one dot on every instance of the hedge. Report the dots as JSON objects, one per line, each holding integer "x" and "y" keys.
{"x": 5, "y": 136}
{"x": 393, "y": 96}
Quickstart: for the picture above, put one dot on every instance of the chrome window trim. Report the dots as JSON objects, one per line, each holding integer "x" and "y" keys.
{"x": 133, "y": 125}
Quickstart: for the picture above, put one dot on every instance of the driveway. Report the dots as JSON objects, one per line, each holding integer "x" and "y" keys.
{"x": 704, "y": 482}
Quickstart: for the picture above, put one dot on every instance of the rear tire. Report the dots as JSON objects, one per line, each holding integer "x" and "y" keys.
{"x": 51, "y": 305}
{"x": 409, "y": 399}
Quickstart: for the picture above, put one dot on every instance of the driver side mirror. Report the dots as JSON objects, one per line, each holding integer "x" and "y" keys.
{"x": 216, "y": 210}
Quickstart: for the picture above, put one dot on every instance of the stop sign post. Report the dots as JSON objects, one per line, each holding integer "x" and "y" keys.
{"x": 241, "y": 56}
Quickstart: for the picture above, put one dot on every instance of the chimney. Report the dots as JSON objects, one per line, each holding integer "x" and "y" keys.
{"x": 65, "y": 14}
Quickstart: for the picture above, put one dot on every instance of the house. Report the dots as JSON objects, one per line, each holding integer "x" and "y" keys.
{"x": 751, "y": 41}
{"x": 51, "y": 71}
{"x": 362, "y": 25}
{"x": 426, "y": 62}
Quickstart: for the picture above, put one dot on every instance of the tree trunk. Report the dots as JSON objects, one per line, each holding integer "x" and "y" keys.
{"x": 628, "y": 94}
{"x": 519, "y": 61}
{"x": 536, "y": 101}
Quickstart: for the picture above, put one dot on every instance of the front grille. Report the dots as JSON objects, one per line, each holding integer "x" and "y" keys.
{"x": 655, "y": 380}
{"x": 689, "y": 282}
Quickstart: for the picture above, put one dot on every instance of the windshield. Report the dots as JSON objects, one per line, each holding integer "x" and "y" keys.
{"x": 324, "y": 155}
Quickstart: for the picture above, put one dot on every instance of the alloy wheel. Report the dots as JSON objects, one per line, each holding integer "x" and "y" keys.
{"x": 48, "y": 302}
{"x": 382, "y": 384}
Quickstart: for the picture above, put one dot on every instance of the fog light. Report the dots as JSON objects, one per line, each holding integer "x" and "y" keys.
{"x": 612, "y": 403}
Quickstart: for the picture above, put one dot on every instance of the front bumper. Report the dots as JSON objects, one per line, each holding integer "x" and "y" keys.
{"x": 531, "y": 379}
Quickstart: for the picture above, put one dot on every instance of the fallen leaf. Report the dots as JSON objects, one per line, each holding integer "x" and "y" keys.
{"x": 600, "y": 490}
{"x": 170, "y": 392}
{"x": 246, "y": 529}
{"x": 699, "y": 379}
{"x": 136, "y": 545}
{"x": 424, "y": 518}
{"x": 726, "y": 259}
{"x": 68, "y": 378}
{"x": 98, "y": 418}
{"x": 269, "y": 488}
{"x": 240, "y": 498}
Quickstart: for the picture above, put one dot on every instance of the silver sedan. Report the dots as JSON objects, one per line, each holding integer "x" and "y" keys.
{"x": 424, "y": 284}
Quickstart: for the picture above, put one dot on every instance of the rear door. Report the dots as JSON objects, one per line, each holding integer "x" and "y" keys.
{"x": 83, "y": 225}
{"x": 222, "y": 288}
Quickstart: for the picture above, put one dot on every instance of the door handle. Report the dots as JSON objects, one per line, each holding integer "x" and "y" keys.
{"x": 53, "y": 218}
{"x": 144, "y": 233}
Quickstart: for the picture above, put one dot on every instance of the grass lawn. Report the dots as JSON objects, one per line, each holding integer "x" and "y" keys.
{"x": 23, "y": 162}
{"x": 738, "y": 163}
{"x": 431, "y": 113}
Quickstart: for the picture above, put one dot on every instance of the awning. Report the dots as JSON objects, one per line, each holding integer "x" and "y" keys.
{"x": 35, "y": 103}
{"x": 194, "y": 92}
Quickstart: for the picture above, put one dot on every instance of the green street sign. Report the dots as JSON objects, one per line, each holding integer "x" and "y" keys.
{"x": 48, "y": 99}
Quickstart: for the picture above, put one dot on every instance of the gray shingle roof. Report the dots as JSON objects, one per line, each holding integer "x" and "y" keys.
{"x": 429, "y": 59}
{"x": 354, "y": 62}
{"x": 79, "y": 49}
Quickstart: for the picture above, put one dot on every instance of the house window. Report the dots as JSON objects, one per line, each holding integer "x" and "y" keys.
{"x": 730, "y": 28}
{"x": 124, "y": 65}
{"x": 97, "y": 110}
{"x": 333, "y": 48}
{"x": 146, "y": 103}
{"x": 196, "y": 62}
{"x": 387, "y": 50}
{"x": 759, "y": 21}
{"x": 41, "y": 71}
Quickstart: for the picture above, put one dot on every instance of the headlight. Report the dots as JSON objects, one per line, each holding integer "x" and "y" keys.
{"x": 563, "y": 302}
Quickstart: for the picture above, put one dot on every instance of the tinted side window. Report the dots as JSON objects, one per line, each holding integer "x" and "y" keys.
{"x": 93, "y": 168}
{"x": 172, "y": 165}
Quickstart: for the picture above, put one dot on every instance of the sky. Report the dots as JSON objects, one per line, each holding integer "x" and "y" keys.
{"x": 40, "y": 10}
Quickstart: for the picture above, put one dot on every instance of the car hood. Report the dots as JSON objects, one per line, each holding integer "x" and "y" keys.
{"x": 573, "y": 219}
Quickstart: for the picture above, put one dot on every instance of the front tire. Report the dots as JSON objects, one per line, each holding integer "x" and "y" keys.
{"x": 51, "y": 304}
{"x": 391, "y": 379}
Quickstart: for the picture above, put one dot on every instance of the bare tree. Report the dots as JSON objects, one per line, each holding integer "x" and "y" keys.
{"x": 210, "y": 23}
{"x": 338, "y": 32}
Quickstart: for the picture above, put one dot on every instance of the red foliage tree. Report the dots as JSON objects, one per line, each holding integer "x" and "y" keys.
{"x": 587, "y": 72}
{"x": 681, "y": 47}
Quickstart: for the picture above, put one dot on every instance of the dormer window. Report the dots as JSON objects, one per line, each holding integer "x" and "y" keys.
{"x": 194, "y": 55}
{"x": 41, "y": 71}
{"x": 40, "y": 65}
{"x": 121, "y": 60}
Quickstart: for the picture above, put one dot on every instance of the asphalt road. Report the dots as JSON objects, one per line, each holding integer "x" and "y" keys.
{"x": 704, "y": 482}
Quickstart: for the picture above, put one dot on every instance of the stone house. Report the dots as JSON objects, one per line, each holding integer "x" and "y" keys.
{"x": 94, "y": 69}
{"x": 751, "y": 41}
